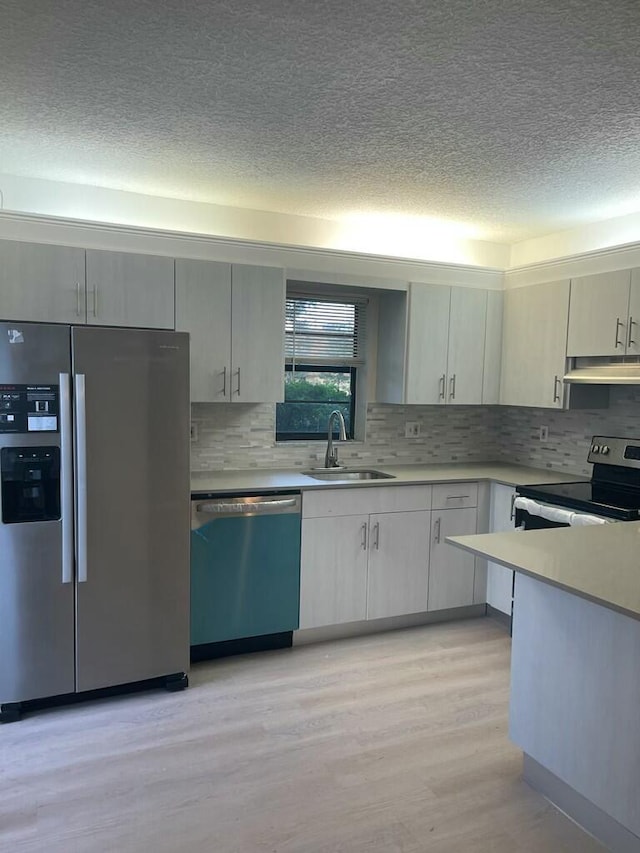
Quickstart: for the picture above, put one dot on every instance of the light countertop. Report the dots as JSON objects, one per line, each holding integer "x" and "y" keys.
{"x": 600, "y": 563}
{"x": 258, "y": 480}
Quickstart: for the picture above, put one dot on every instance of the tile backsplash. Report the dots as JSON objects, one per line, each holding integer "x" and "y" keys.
{"x": 243, "y": 436}
{"x": 237, "y": 435}
{"x": 569, "y": 432}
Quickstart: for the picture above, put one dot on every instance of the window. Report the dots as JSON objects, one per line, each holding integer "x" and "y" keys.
{"x": 324, "y": 345}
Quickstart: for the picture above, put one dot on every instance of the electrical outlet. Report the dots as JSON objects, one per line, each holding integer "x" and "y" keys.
{"x": 194, "y": 431}
{"x": 543, "y": 433}
{"x": 411, "y": 429}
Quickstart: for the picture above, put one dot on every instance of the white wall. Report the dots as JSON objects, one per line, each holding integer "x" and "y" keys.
{"x": 593, "y": 236}
{"x": 98, "y": 204}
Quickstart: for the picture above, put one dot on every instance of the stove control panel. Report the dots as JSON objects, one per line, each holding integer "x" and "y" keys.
{"x": 610, "y": 450}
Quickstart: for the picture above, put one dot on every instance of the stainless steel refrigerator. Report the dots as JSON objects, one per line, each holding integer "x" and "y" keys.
{"x": 94, "y": 494}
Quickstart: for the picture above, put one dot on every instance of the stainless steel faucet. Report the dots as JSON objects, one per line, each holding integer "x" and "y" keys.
{"x": 331, "y": 456}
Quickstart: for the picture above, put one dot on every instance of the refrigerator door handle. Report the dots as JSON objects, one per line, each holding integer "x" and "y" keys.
{"x": 81, "y": 477}
{"x": 66, "y": 478}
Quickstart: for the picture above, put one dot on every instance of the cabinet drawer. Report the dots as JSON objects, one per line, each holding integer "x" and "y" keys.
{"x": 455, "y": 495}
{"x": 364, "y": 501}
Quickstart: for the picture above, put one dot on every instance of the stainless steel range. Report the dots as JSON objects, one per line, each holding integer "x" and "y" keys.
{"x": 612, "y": 494}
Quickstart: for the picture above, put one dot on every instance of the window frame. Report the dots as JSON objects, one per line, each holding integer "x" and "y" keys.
{"x": 324, "y": 368}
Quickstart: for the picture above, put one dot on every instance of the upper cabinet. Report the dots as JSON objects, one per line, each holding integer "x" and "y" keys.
{"x": 47, "y": 284}
{"x": 534, "y": 345}
{"x": 125, "y": 289}
{"x": 604, "y": 313}
{"x": 441, "y": 346}
{"x": 465, "y": 350}
{"x": 235, "y": 316}
{"x": 41, "y": 283}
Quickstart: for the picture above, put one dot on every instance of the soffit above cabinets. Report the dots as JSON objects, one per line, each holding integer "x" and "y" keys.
{"x": 508, "y": 119}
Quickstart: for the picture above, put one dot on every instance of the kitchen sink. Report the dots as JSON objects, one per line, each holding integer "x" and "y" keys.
{"x": 347, "y": 474}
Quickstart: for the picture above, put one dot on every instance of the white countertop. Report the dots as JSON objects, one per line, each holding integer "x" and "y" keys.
{"x": 258, "y": 480}
{"x": 600, "y": 563}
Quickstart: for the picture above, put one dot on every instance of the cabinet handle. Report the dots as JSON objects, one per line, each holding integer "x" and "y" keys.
{"x": 363, "y": 541}
{"x": 556, "y": 394}
{"x": 618, "y": 324}
{"x": 513, "y": 507}
{"x": 376, "y": 541}
{"x": 436, "y": 537}
{"x": 443, "y": 380}
{"x": 238, "y": 391}
{"x": 224, "y": 381}
{"x": 78, "y": 300}
{"x": 630, "y": 340}
{"x": 457, "y": 497}
{"x": 95, "y": 300}
{"x": 452, "y": 387}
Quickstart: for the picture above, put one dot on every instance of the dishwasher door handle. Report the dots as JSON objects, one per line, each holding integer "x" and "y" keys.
{"x": 228, "y": 508}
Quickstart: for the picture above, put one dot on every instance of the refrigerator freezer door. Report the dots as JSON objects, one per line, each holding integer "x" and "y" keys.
{"x": 132, "y": 614}
{"x": 36, "y": 588}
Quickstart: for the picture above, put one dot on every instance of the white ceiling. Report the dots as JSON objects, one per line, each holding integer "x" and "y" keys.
{"x": 514, "y": 117}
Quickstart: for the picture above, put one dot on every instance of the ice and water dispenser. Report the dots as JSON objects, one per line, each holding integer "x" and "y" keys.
{"x": 29, "y": 475}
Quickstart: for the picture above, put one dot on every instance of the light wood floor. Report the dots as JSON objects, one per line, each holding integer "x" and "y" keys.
{"x": 396, "y": 742}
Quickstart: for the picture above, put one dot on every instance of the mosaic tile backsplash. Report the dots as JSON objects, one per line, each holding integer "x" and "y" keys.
{"x": 237, "y": 435}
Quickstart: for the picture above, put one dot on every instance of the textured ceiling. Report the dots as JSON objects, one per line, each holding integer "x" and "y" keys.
{"x": 516, "y": 117}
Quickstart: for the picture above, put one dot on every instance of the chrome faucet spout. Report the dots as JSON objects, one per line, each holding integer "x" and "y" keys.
{"x": 331, "y": 456}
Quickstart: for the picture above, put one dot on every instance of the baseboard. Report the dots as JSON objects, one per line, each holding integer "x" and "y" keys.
{"x": 503, "y": 619}
{"x": 579, "y": 809}
{"x": 377, "y": 626}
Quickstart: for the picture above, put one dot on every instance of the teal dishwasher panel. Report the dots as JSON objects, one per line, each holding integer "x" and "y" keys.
{"x": 245, "y": 577}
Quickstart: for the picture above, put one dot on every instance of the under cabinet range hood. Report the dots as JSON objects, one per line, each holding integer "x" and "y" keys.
{"x": 603, "y": 371}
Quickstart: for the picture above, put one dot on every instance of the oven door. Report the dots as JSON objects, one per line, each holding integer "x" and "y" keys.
{"x": 535, "y": 515}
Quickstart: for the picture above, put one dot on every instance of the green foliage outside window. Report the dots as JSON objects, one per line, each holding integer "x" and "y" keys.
{"x": 311, "y": 394}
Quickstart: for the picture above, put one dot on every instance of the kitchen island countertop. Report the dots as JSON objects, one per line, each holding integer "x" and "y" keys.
{"x": 600, "y": 563}
{"x": 258, "y": 480}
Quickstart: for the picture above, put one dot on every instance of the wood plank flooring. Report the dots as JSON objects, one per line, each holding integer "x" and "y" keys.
{"x": 395, "y": 743}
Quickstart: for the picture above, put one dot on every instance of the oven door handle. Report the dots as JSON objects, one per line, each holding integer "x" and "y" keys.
{"x": 560, "y": 515}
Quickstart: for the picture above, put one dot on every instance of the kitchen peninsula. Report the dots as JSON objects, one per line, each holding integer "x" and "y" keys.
{"x": 575, "y": 669}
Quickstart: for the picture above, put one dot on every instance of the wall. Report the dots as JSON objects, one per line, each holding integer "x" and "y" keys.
{"x": 425, "y": 240}
{"x": 242, "y": 436}
{"x": 569, "y": 432}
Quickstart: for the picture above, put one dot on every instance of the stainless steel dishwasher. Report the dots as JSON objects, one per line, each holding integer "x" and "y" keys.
{"x": 245, "y": 572}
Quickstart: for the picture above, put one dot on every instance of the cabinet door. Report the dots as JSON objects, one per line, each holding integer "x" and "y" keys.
{"x": 451, "y": 571}
{"x": 598, "y": 314}
{"x": 492, "y": 348}
{"x": 203, "y": 308}
{"x": 124, "y": 289}
{"x": 467, "y": 320}
{"x": 257, "y": 334}
{"x": 534, "y": 345}
{"x": 428, "y": 336}
{"x": 398, "y": 563}
{"x": 41, "y": 283}
{"x": 633, "y": 327}
{"x": 333, "y": 570}
{"x": 499, "y": 578}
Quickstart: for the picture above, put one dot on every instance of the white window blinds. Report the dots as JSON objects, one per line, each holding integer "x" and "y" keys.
{"x": 325, "y": 330}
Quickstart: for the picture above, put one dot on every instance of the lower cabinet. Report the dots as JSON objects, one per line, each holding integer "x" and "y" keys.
{"x": 451, "y": 571}
{"x": 379, "y": 552}
{"x": 398, "y": 563}
{"x": 499, "y": 578}
{"x": 333, "y": 571}
{"x": 365, "y": 554}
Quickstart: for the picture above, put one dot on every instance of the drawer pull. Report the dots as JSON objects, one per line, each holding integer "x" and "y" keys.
{"x": 457, "y": 497}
